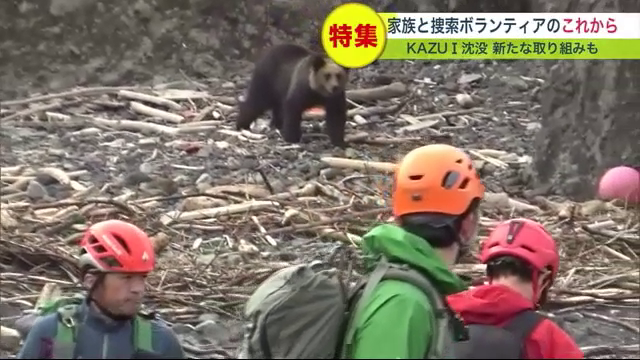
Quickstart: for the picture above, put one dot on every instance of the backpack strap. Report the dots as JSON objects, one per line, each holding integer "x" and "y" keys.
{"x": 361, "y": 292}
{"x": 65, "y": 340}
{"x": 521, "y": 326}
{"x": 441, "y": 312}
{"x": 523, "y": 323}
{"x": 142, "y": 334}
{"x": 390, "y": 271}
{"x": 64, "y": 344}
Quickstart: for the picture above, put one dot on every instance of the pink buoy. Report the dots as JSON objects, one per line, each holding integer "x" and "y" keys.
{"x": 622, "y": 183}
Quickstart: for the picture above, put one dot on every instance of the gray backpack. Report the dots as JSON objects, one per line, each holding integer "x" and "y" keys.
{"x": 303, "y": 311}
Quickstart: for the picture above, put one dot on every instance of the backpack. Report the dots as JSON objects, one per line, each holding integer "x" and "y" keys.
{"x": 499, "y": 342}
{"x": 303, "y": 311}
{"x": 64, "y": 342}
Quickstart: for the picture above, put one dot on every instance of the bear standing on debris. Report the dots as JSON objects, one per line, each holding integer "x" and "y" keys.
{"x": 290, "y": 79}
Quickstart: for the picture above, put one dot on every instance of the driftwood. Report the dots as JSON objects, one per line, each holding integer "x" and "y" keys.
{"x": 131, "y": 95}
{"x": 214, "y": 244}
{"x": 214, "y": 212}
{"x": 37, "y": 110}
{"x": 129, "y": 125}
{"x": 79, "y": 92}
{"x": 430, "y": 120}
{"x": 359, "y": 164}
{"x": 149, "y": 111}
{"x": 392, "y": 90}
{"x": 166, "y": 98}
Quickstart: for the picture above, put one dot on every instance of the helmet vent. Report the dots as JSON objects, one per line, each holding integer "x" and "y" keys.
{"x": 528, "y": 248}
{"x": 450, "y": 179}
{"x": 111, "y": 261}
{"x": 459, "y": 161}
{"x": 464, "y": 183}
{"x": 415, "y": 177}
{"x": 122, "y": 243}
{"x": 96, "y": 245}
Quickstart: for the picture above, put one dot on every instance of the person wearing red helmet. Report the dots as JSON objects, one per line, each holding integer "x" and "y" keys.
{"x": 522, "y": 262}
{"x": 115, "y": 259}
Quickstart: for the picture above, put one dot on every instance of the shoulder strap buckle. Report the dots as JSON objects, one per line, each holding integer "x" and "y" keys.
{"x": 67, "y": 315}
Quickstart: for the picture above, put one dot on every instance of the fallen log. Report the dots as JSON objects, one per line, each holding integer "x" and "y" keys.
{"x": 392, "y": 90}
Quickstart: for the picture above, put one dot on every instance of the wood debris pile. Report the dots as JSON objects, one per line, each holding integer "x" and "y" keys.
{"x": 217, "y": 242}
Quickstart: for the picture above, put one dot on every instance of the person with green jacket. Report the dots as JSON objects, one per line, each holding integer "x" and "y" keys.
{"x": 435, "y": 198}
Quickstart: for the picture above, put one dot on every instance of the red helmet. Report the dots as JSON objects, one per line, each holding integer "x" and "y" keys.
{"x": 525, "y": 239}
{"x": 117, "y": 246}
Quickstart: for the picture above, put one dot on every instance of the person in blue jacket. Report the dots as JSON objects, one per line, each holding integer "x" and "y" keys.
{"x": 105, "y": 324}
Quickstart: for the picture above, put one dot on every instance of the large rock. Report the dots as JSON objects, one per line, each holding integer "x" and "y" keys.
{"x": 50, "y": 45}
{"x": 456, "y": 6}
{"x": 55, "y": 44}
{"x": 590, "y": 114}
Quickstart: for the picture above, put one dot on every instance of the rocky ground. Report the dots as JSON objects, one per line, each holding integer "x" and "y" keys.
{"x": 227, "y": 208}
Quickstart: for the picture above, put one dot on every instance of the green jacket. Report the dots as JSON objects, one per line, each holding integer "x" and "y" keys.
{"x": 398, "y": 321}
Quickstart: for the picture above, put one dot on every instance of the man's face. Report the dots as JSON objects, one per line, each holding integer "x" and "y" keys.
{"x": 468, "y": 234}
{"x": 121, "y": 293}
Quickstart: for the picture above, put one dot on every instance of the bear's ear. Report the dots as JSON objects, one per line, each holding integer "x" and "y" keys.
{"x": 317, "y": 62}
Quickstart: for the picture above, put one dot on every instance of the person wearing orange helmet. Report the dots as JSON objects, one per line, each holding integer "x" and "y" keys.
{"x": 522, "y": 262}
{"x": 115, "y": 259}
{"x": 435, "y": 201}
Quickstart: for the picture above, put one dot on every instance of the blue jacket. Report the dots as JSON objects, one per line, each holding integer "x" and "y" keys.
{"x": 98, "y": 337}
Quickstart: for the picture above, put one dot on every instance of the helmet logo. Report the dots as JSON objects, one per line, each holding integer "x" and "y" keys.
{"x": 514, "y": 229}
{"x": 145, "y": 257}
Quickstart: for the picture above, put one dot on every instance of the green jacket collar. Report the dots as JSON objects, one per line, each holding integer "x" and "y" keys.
{"x": 400, "y": 246}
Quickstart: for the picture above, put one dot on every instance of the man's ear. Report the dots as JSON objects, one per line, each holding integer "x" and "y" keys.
{"x": 89, "y": 280}
{"x": 544, "y": 279}
{"x": 317, "y": 62}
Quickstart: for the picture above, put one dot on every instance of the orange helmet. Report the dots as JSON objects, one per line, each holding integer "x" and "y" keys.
{"x": 436, "y": 179}
{"x": 117, "y": 246}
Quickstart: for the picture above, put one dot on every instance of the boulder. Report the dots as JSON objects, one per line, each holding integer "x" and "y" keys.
{"x": 51, "y": 45}
{"x": 590, "y": 114}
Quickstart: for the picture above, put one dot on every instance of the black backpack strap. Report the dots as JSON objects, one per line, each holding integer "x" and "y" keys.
{"x": 522, "y": 324}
